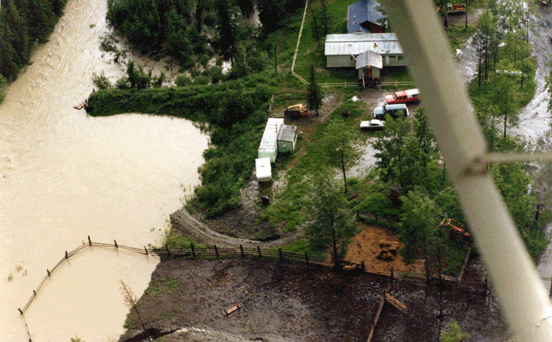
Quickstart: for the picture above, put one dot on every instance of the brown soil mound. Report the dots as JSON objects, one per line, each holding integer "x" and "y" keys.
{"x": 366, "y": 247}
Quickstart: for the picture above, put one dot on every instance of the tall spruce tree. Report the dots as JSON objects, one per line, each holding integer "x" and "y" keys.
{"x": 314, "y": 94}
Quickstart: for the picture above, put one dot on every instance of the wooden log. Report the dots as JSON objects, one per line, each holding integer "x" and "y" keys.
{"x": 397, "y": 304}
{"x": 232, "y": 309}
{"x": 376, "y": 319}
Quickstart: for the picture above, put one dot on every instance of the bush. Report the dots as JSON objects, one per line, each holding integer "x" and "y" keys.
{"x": 210, "y": 19}
{"x": 203, "y": 60}
{"x": 101, "y": 81}
{"x": 183, "y": 80}
{"x": 122, "y": 84}
{"x": 201, "y": 80}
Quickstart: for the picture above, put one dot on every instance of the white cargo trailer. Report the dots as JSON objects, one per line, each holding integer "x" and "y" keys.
{"x": 269, "y": 143}
{"x": 263, "y": 169}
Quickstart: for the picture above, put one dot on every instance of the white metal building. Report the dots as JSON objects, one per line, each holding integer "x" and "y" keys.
{"x": 341, "y": 50}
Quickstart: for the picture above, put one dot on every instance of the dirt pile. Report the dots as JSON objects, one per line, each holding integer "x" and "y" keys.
{"x": 372, "y": 246}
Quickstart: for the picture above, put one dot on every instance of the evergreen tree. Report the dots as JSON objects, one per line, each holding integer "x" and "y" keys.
{"x": 314, "y": 95}
{"x": 271, "y": 14}
{"x": 329, "y": 223}
{"x": 391, "y": 144}
{"x": 247, "y": 7}
{"x": 420, "y": 219}
{"x": 20, "y": 37}
{"x": 339, "y": 150}
{"x": 226, "y": 30}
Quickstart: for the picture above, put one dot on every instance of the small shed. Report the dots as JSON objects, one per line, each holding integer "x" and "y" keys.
{"x": 263, "y": 169}
{"x": 287, "y": 138}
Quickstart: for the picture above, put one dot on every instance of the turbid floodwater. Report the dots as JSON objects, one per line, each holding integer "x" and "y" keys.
{"x": 65, "y": 176}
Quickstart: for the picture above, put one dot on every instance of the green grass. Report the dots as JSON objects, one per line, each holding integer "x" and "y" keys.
{"x": 312, "y": 52}
{"x": 163, "y": 286}
{"x": 458, "y": 35}
{"x": 288, "y": 210}
{"x": 177, "y": 239}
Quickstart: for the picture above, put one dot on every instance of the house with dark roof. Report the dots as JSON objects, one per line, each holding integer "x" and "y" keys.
{"x": 364, "y": 17}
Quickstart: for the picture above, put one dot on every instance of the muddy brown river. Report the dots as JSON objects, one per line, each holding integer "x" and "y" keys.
{"x": 65, "y": 176}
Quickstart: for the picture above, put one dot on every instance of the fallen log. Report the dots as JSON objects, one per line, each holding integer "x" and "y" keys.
{"x": 232, "y": 309}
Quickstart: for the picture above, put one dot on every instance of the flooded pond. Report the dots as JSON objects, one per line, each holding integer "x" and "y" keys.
{"x": 65, "y": 176}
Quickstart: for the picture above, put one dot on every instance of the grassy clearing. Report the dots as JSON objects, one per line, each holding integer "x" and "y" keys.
{"x": 288, "y": 210}
{"x": 458, "y": 34}
{"x": 312, "y": 52}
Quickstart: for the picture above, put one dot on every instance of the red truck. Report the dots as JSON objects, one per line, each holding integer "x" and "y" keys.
{"x": 404, "y": 96}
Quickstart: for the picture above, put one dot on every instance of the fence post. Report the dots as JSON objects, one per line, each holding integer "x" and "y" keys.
{"x": 259, "y": 249}
{"x": 281, "y": 256}
{"x": 193, "y": 250}
{"x": 307, "y": 258}
{"x": 116, "y": 246}
{"x": 551, "y": 288}
{"x": 47, "y": 270}
{"x": 21, "y": 312}
{"x": 392, "y": 273}
{"x": 363, "y": 266}
{"x": 34, "y": 293}
{"x": 146, "y": 250}
{"x": 241, "y": 250}
{"x": 168, "y": 251}
{"x": 216, "y": 251}
{"x": 89, "y": 241}
{"x": 66, "y": 256}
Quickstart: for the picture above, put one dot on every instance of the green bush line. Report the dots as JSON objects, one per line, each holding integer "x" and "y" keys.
{"x": 234, "y": 113}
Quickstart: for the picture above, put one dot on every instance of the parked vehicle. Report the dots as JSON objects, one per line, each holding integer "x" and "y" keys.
{"x": 394, "y": 110}
{"x": 296, "y": 111}
{"x": 372, "y": 125}
{"x": 403, "y": 96}
{"x": 454, "y": 8}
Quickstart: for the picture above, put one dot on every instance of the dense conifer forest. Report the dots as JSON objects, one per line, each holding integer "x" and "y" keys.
{"x": 23, "y": 24}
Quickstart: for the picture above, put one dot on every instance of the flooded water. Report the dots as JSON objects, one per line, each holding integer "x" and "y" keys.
{"x": 65, "y": 176}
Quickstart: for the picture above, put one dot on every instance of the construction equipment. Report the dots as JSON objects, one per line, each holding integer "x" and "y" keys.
{"x": 296, "y": 111}
{"x": 457, "y": 231}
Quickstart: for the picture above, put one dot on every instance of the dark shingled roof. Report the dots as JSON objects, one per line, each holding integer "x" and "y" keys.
{"x": 361, "y": 12}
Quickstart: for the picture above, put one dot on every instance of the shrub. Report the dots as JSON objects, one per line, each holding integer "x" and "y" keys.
{"x": 183, "y": 80}
{"x": 203, "y": 60}
{"x": 201, "y": 80}
{"x": 101, "y": 81}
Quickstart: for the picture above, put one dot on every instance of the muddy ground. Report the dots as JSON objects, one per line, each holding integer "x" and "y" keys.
{"x": 293, "y": 302}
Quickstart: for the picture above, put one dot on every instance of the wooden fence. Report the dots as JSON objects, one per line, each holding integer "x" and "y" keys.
{"x": 396, "y": 84}
{"x": 216, "y": 252}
